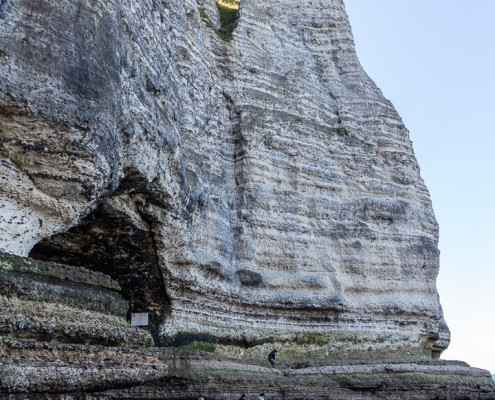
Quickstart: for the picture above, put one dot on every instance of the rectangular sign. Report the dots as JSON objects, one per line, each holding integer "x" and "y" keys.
{"x": 139, "y": 319}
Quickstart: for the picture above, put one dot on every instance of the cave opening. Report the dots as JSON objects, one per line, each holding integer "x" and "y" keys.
{"x": 116, "y": 243}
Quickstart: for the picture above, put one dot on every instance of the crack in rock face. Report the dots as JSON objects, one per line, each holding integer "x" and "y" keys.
{"x": 248, "y": 192}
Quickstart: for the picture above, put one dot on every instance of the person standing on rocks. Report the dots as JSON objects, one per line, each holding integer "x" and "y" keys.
{"x": 271, "y": 358}
{"x": 261, "y": 396}
{"x": 243, "y": 397}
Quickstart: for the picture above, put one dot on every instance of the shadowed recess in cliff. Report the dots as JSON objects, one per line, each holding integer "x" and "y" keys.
{"x": 119, "y": 245}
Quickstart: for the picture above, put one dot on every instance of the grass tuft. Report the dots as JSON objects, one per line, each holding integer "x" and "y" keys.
{"x": 201, "y": 346}
{"x": 228, "y": 19}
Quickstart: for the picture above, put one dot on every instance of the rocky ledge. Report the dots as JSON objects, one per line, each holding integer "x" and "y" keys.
{"x": 69, "y": 338}
{"x": 64, "y": 304}
{"x": 105, "y": 373}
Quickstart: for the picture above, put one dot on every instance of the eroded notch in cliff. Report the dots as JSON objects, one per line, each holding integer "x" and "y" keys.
{"x": 116, "y": 241}
{"x": 228, "y": 11}
{"x": 228, "y": 14}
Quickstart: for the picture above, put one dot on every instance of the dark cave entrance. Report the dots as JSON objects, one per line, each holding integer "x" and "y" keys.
{"x": 119, "y": 245}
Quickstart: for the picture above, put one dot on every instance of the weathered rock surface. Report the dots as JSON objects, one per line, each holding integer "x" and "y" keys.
{"x": 254, "y": 192}
{"x": 103, "y": 373}
{"x": 221, "y": 379}
{"x": 68, "y": 339}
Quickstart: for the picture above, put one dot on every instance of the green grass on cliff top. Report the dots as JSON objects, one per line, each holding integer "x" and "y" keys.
{"x": 228, "y": 14}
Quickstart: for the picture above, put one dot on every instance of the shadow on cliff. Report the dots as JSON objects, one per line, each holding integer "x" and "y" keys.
{"x": 117, "y": 242}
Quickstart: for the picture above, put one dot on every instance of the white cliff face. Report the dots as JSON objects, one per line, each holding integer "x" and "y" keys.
{"x": 278, "y": 185}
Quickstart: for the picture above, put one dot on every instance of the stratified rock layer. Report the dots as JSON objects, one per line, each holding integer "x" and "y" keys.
{"x": 250, "y": 192}
{"x": 67, "y": 339}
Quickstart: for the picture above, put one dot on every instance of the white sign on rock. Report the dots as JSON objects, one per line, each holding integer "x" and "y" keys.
{"x": 139, "y": 319}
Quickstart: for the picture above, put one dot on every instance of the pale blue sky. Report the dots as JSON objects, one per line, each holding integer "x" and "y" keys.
{"x": 435, "y": 60}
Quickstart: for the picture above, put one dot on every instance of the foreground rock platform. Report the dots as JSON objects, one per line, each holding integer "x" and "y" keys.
{"x": 103, "y": 373}
{"x": 249, "y": 190}
{"x": 68, "y": 338}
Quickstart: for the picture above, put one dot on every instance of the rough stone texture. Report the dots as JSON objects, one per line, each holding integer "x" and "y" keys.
{"x": 253, "y": 193}
{"x": 381, "y": 381}
{"x": 67, "y": 339}
{"x": 175, "y": 375}
{"x": 57, "y": 303}
{"x": 113, "y": 244}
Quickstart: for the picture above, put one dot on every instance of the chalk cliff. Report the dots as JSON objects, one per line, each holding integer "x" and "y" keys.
{"x": 259, "y": 187}
{"x": 247, "y": 189}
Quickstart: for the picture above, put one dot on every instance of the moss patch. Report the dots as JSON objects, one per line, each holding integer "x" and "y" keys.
{"x": 10, "y": 263}
{"x": 342, "y": 132}
{"x": 201, "y": 346}
{"x": 5, "y": 266}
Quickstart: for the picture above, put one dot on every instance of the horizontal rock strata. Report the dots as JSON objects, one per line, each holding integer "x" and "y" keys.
{"x": 248, "y": 189}
{"x": 186, "y": 375}
{"x": 380, "y": 381}
{"x": 57, "y": 303}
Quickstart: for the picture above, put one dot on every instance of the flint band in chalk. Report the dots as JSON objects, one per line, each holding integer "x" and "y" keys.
{"x": 139, "y": 319}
